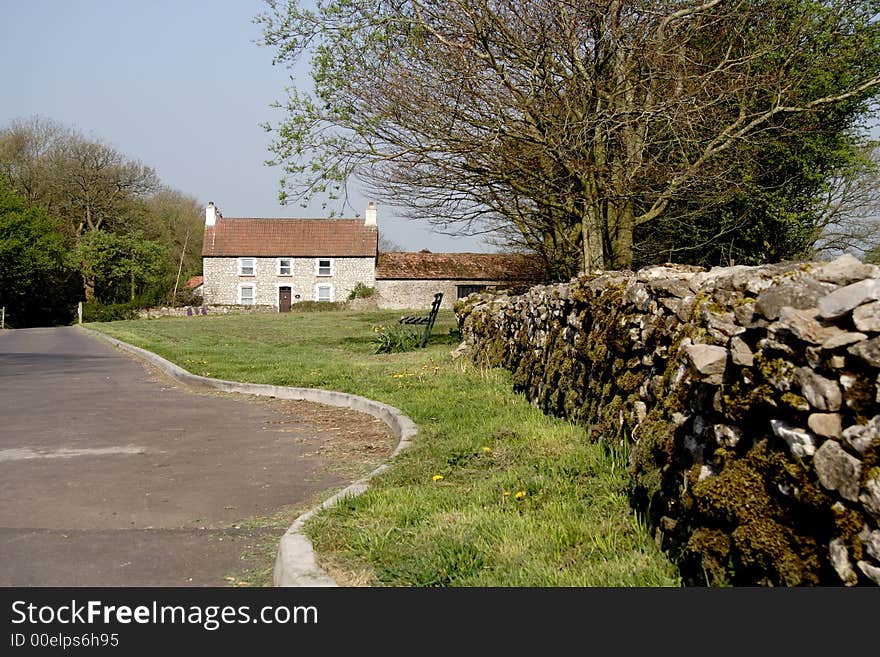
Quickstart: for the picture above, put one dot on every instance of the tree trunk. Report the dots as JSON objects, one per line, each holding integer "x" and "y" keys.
{"x": 591, "y": 236}
{"x": 89, "y": 287}
{"x": 620, "y": 236}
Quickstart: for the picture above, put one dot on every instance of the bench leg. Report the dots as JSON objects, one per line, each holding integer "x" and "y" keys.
{"x": 427, "y": 333}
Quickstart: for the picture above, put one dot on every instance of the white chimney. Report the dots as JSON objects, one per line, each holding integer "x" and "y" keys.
{"x": 212, "y": 213}
{"x": 370, "y": 215}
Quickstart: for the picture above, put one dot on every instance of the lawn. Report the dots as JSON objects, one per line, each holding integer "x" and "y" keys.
{"x": 493, "y": 492}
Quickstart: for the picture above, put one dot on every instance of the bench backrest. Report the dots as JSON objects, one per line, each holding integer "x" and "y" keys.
{"x": 435, "y": 306}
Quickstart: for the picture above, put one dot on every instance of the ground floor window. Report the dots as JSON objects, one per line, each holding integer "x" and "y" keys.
{"x": 324, "y": 292}
{"x": 464, "y": 290}
{"x": 246, "y": 295}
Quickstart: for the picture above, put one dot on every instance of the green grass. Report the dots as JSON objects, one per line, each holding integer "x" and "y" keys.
{"x": 570, "y": 525}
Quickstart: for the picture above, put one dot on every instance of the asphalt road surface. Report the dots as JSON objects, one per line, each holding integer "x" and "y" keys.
{"x": 111, "y": 475}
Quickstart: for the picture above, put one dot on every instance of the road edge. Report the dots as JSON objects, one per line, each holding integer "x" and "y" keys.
{"x": 295, "y": 563}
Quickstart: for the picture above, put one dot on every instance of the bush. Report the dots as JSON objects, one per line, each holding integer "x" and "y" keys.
{"x": 395, "y": 338}
{"x": 95, "y": 311}
{"x": 361, "y": 291}
{"x": 185, "y": 297}
{"x": 311, "y": 306}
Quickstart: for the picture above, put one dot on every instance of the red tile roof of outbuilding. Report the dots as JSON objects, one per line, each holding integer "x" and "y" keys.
{"x": 460, "y": 266}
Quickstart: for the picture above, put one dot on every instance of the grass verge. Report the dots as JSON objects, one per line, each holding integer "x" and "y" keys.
{"x": 493, "y": 493}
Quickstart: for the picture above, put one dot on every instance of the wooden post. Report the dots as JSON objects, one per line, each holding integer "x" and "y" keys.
{"x": 79, "y": 312}
{"x": 179, "y": 268}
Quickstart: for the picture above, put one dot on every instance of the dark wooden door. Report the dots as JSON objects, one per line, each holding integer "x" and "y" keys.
{"x": 284, "y": 299}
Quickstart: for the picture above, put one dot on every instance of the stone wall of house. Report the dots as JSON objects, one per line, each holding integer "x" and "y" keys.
{"x": 222, "y": 279}
{"x": 749, "y": 400}
{"x": 419, "y": 294}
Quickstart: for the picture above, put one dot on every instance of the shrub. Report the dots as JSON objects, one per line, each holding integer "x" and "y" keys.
{"x": 95, "y": 311}
{"x": 361, "y": 291}
{"x": 185, "y": 297}
{"x": 395, "y": 338}
{"x": 311, "y": 306}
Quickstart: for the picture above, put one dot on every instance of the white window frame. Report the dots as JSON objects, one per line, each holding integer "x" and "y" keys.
{"x": 250, "y": 286}
{"x": 317, "y": 293}
{"x": 318, "y": 267}
{"x": 241, "y": 266}
{"x": 278, "y": 271}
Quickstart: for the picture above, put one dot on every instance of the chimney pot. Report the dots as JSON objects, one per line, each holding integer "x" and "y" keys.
{"x": 370, "y": 215}
{"x": 212, "y": 213}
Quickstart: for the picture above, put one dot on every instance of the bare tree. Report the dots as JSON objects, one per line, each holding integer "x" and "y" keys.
{"x": 94, "y": 184}
{"x": 387, "y": 245}
{"x": 26, "y": 148}
{"x": 559, "y": 123}
{"x": 848, "y": 216}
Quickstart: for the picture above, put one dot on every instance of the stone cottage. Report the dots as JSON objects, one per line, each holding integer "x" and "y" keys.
{"x": 279, "y": 262}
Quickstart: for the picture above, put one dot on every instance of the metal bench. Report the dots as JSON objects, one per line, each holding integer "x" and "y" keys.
{"x": 428, "y": 320}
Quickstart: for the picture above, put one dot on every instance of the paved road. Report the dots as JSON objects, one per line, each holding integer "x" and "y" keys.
{"x": 111, "y": 475}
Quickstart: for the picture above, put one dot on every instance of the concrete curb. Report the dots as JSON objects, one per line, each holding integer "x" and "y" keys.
{"x": 295, "y": 563}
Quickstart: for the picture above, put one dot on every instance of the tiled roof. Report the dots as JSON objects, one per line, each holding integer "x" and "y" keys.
{"x": 195, "y": 281}
{"x": 290, "y": 237}
{"x": 460, "y": 266}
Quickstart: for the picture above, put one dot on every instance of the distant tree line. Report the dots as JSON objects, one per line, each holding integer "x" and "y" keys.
{"x": 81, "y": 221}
{"x": 597, "y": 134}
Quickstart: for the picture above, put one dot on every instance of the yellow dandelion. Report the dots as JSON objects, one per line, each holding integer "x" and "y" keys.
{"x": 520, "y": 494}
{"x": 487, "y": 450}
{"x": 437, "y": 478}
{"x": 506, "y": 493}
{"x": 397, "y": 376}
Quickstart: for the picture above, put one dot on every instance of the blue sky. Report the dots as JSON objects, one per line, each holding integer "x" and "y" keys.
{"x": 180, "y": 85}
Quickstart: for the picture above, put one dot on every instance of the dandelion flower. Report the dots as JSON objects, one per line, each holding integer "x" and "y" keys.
{"x": 437, "y": 478}
{"x": 506, "y": 493}
{"x": 520, "y": 494}
{"x": 487, "y": 450}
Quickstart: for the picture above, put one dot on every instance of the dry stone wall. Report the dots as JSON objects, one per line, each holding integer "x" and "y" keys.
{"x": 199, "y": 311}
{"x": 748, "y": 397}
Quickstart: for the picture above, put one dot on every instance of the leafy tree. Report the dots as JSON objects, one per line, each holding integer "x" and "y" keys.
{"x": 121, "y": 266}
{"x": 175, "y": 220}
{"x": 85, "y": 182}
{"x": 88, "y": 184}
{"x": 116, "y": 214}
{"x": 803, "y": 195}
{"x": 36, "y": 286}
{"x": 583, "y": 130}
